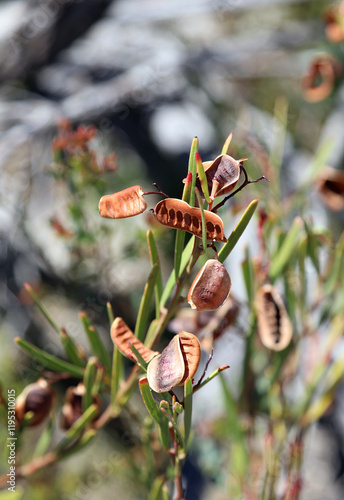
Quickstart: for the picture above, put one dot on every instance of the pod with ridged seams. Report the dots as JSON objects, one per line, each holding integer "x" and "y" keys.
{"x": 180, "y": 215}
{"x": 274, "y": 326}
{"x": 123, "y": 204}
{"x": 122, "y": 337}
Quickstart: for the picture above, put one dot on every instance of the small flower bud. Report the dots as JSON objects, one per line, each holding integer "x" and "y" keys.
{"x": 211, "y": 287}
{"x": 37, "y": 398}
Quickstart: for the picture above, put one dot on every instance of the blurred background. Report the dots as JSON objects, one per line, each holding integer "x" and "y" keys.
{"x": 149, "y": 75}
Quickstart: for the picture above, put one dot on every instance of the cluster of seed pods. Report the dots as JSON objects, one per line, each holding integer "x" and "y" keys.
{"x": 177, "y": 362}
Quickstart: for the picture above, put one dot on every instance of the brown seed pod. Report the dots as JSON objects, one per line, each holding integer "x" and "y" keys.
{"x": 72, "y": 408}
{"x": 126, "y": 203}
{"x": 274, "y": 326}
{"x": 177, "y": 362}
{"x": 122, "y": 337}
{"x": 331, "y": 188}
{"x": 223, "y": 174}
{"x": 319, "y": 82}
{"x": 210, "y": 288}
{"x": 180, "y": 215}
{"x": 37, "y": 398}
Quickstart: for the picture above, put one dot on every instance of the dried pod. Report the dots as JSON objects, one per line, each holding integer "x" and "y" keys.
{"x": 37, "y": 398}
{"x": 178, "y": 361}
{"x": 210, "y": 288}
{"x": 72, "y": 408}
{"x": 319, "y": 82}
{"x": 274, "y": 326}
{"x": 223, "y": 174}
{"x": 331, "y": 188}
{"x": 126, "y": 203}
{"x": 180, "y": 215}
{"x": 122, "y": 337}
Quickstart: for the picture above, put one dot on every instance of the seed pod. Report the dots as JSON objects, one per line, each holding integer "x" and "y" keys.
{"x": 319, "y": 82}
{"x": 222, "y": 174}
{"x": 331, "y": 188}
{"x": 37, "y": 398}
{"x": 72, "y": 408}
{"x": 180, "y": 215}
{"x": 274, "y": 326}
{"x": 177, "y": 362}
{"x": 126, "y": 203}
{"x": 211, "y": 287}
{"x": 122, "y": 337}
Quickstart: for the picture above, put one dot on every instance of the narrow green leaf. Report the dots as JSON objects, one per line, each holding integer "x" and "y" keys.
{"x": 211, "y": 377}
{"x": 138, "y": 356}
{"x": 204, "y": 226}
{"x": 156, "y": 491}
{"x": 144, "y": 309}
{"x": 48, "y": 360}
{"x": 226, "y": 144}
{"x": 97, "y": 346}
{"x": 248, "y": 274}
{"x": 171, "y": 280}
{"x": 287, "y": 249}
{"x": 85, "y": 440}
{"x": 42, "y": 308}
{"x": 111, "y": 315}
{"x": 89, "y": 377}
{"x": 44, "y": 439}
{"x": 237, "y": 231}
{"x": 154, "y": 256}
{"x": 334, "y": 278}
{"x": 78, "y": 426}
{"x": 117, "y": 375}
{"x": 192, "y": 168}
{"x": 188, "y": 393}
{"x": 150, "y": 333}
{"x": 148, "y": 400}
{"x": 155, "y": 412}
{"x": 178, "y": 252}
{"x": 72, "y": 352}
{"x": 203, "y": 178}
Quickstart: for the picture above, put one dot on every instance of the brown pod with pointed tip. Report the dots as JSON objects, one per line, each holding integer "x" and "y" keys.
{"x": 223, "y": 174}
{"x": 177, "y": 362}
{"x": 180, "y": 215}
{"x": 211, "y": 287}
{"x": 122, "y": 337}
{"x": 274, "y": 326}
{"x": 122, "y": 204}
{"x": 37, "y": 398}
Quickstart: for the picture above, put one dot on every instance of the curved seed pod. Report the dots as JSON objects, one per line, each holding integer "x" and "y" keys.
{"x": 37, "y": 398}
{"x": 180, "y": 215}
{"x": 223, "y": 174}
{"x": 274, "y": 326}
{"x": 211, "y": 287}
{"x": 191, "y": 351}
{"x": 166, "y": 370}
{"x": 126, "y": 203}
{"x": 177, "y": 362}
{"x": 122, "y": 337}
{"x": 319, "y": 82}
{"x": 331, "y": 188}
